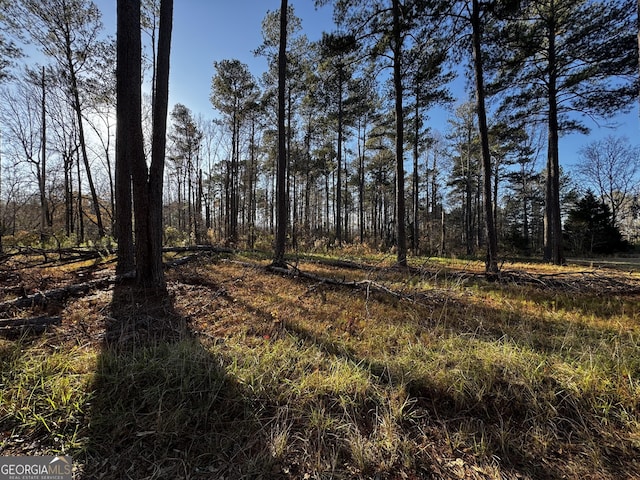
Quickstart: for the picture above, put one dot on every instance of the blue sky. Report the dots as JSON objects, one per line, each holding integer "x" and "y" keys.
{"x": 211, "y": 30}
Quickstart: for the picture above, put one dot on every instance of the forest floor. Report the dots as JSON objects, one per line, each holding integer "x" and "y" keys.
{"x": 343, "y": 368}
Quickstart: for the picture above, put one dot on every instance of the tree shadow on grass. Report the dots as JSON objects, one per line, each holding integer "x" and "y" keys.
{"x": 163, "y": 406}
{"x": 499, "y": 419}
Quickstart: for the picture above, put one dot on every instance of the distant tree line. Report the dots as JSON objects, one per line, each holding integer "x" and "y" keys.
{"x": 357, "y": 158}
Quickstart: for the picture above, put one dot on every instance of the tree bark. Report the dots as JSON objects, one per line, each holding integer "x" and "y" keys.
{"x": 147, "y": 182}
{"x": 339, "y": 161}
{"x": 362, "y": 145}
{"x": 492, "y": 240}
{"x": 415, "y": 243}
{"x": 233, "y": 179}
{"x": 83, "y": 144}
{"x": 80, "y": 222}
{"x": 443, "y": 233}
{"x": 129, "y": 144}
{"x": 42, "y": 174}
{"x": 467, "y": 201}
{"x": 36, "y": 324}
{"x": 281, "y": 178}
{"x": 158, "y": 149}
{"x": 68, "y": 192}
{"x": 199, "y": 202}
{"x": 399, "y": 114}
{"x": 553, "y": 235}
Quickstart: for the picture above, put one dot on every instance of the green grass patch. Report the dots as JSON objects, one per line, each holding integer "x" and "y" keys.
{"x": 44, "y": 395}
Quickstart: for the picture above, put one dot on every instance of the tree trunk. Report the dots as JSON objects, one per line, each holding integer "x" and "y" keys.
{"x": 147, "y": 182}
{"x": 525, "y": 213}
{"x": 252, "y": 186}
{"x": 553, "y": 236}
{"x": 443, "y": 233}
{"x": 399, "y": 114}
{"x": 112, "y": 198}
{"x": 293, "y": 203}
{"x": 468, "y": 203}
{"x": 434, "y": 197}
{"x": 153, "y": 271}
{"x": 233, "y": 180}
{"x": 281, "y": 178}
{"x": 415, "y": 243}
{"x": 288, "y": 149}
{"x": 478, "y": 211}
{"x": 339, "y": 161}
{"x": 326, "y": 204}
{"x": 361, "y": 157}
{"x": 129, "y": 144}
{"x": 197, "y": 220}
{"x": 81, "y": 137}
{"x": 307, "y": 185}
{"x": 80, "y": 222}
{"x": 68, "y": 192}
{"x": 494, "y": 193}
{"x": 227, "y": 202}
{"x": 345, "y": 203}
{"x": 490, "y": 228}
{"x": 190, "y": 221}
{"x": 42, "y": 174}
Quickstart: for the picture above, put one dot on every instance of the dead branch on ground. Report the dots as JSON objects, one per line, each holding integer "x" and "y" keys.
{"x": 198, "y": 248}
{"x": 32, "y": 324}
{"x": 582, "y": 281}
{"x": 40, "y": 299}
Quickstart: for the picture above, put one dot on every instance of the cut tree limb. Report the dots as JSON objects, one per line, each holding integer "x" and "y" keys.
{"x": 367, "y": 285}
{"x": 60, "y": 256}
{"x": 62, "y": 293}
{"x": 43, "y": 321}
{"x": 32, "y": 324}
{"x": 198, "y": 248}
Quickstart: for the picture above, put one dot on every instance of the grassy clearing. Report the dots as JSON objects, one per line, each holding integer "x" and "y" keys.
{"x": 283, "y": 378}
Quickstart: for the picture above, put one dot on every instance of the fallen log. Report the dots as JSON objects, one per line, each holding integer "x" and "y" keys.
{"x": 44, "y": 321}
{"x": 63, "y": 256}
{"x": 40, "y": 299}
{"x": 182, "y": 260}
{"x": 31, "y": 324}
{"x": 346, "y": 264}
{"x": 367, "y": 285}
{"x": 198, "y": 248}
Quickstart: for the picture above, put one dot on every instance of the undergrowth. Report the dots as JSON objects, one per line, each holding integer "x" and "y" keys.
{"x": 279, "y": 377}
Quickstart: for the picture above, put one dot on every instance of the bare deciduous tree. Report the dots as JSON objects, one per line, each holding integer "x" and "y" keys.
{"x": 67, "y": 31}
{"x": 611, "y": 167}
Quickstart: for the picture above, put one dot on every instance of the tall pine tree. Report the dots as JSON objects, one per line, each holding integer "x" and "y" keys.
{"x": 561, "y": 57}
